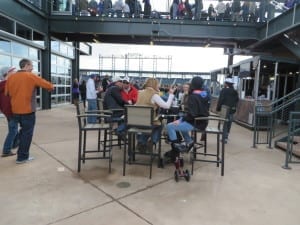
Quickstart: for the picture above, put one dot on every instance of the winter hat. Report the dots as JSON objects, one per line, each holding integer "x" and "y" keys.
{"x": 5, "y": 70}
{"x": 196, "y": 83}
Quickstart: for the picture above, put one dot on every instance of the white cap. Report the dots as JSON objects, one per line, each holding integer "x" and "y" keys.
{"x": 116, "y": 79}
{"x": 126, "y": 79}
{"x": 229, "y": 80}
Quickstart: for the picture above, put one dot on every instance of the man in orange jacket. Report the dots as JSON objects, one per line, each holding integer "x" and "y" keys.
{"x": 21, "y": 87}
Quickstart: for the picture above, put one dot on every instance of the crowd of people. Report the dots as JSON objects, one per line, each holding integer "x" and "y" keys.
{"x": 192, "y": 99}
{"x": 234, "y": 10}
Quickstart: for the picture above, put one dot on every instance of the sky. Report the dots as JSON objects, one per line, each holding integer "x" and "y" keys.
{"x": 183, "y": 59}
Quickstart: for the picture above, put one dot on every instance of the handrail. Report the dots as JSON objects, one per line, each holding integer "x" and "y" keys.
{"x": 275, "y": 106}
{"x": 270, "y": 111}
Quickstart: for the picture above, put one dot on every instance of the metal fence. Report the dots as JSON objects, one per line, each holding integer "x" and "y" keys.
{"x": 293, "y": 140}
{"x": 271, "y": 120}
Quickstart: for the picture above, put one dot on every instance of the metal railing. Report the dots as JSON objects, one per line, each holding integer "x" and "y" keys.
{"x": 294, "y": 131}
{"x": 270, "y": 120}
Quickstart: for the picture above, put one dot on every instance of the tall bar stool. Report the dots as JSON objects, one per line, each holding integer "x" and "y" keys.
{"x": 199, "y": 150}
{"x": 138, "y": 120}
{"x": 104, "y": 152}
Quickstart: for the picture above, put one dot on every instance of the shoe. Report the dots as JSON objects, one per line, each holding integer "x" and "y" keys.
{"x": 180, "y": 147}
{"x": 8, "y": 154}
{"x": 225, "y": 141}
{"x": 30, "y": 158}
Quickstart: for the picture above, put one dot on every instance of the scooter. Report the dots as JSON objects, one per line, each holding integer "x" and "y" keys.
{"x": 179, "y": 171}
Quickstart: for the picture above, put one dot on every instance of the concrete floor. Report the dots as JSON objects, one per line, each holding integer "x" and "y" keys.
{"x": 254, "y": 191}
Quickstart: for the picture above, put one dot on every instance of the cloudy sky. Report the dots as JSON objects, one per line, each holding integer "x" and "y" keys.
{"x": 189, "y": 59}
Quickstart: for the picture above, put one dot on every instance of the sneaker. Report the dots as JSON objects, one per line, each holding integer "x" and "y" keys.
{"x": 180, "y": 147}
{"x": 30, "y": 158}
{"x": 8, "y": 154}
{"x": 225, "y": 141}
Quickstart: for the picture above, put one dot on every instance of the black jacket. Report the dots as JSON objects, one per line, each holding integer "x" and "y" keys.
{"x": 113, "y": 100}
{"x": 198, "y": 106}
{"x": 228, "y": 97}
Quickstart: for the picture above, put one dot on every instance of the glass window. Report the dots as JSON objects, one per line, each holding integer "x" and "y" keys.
{"x": 16, "y": 61}
{"x": 55, "y": 45}
{"x": 33, "y": 53}
{"x": 53, "y": 60}
{"x": 5, "y": 60}
{"x": 23, "y": 32}
{"x": 38, "y": 38}
{"x": 6, "y": 25}
{"x": 63, "y": 49}
{"x": 71, "y": 52}
{"x": 5, "y": 46}
{"x": 60, "y": 61}
{"x": 62, "y": 6}
{"x": 61, "y": 76}
{"x": 20, "y": 50}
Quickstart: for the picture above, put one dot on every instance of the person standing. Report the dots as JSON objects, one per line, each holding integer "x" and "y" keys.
{"x": 229, "y": 97}
{"x": 82, "y": 90}
{"x": 5, "y": 108}
{"x": 21, "y": 87}
{"x": 147, "y": 8}
{"x": 105, "y": 82}
{"x": 197, "y": 106}
{"x": 75, "y": 92}
{"x": 91, "y": 96}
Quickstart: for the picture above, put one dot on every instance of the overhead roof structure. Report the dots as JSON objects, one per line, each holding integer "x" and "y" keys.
{"x": 279, "y": 36}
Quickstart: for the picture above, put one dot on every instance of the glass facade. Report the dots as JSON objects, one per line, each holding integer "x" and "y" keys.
{"x": 62, "y": 54}
{"x": 61, "y": 76}
{"x": 12, "y": 52}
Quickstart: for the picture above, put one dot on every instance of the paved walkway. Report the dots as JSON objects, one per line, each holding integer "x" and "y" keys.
{"x": 254, "y": 191}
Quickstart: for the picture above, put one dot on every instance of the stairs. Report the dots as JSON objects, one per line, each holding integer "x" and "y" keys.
{"x": 282, "y": 144}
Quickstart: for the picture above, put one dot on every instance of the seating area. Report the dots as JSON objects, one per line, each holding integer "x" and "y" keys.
{"x": 255, "y": 186}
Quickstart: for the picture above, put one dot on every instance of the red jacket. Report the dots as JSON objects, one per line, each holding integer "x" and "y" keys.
{"x": 5, "y": 106}
{"x": 131, "y": 95}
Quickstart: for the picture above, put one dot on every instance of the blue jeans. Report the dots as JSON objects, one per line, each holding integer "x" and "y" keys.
{"x": 92, "y": 105}
{"x": 183, "y": 127}
{"x": 11, "y": 136}
{"x": 143, "y": 138}
{"x": 27, "y": 122}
